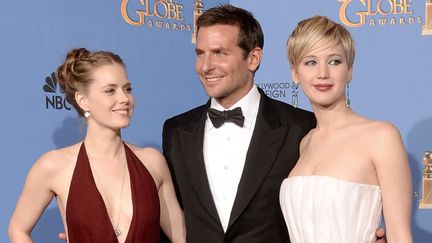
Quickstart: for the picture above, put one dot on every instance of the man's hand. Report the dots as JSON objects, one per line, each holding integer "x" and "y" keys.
{"x": 62, "y": 236}
{"x": 381, "y": 237}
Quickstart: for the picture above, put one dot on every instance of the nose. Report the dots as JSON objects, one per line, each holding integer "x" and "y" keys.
{"x": 205, "y": 63}
{"x": 124, "y": 96}
{"x": 323, "y": 72}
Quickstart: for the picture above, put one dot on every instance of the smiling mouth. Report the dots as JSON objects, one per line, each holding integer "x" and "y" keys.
{"x": 213, "y": 78}
{"x": 122, "y": 112}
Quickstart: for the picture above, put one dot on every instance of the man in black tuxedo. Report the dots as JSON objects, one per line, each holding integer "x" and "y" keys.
{"x": 228, "y": 166}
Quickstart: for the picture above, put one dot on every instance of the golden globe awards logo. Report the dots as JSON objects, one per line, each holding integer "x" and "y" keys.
{"x": 161, "y": 14}
{"x": 377, "y": 13}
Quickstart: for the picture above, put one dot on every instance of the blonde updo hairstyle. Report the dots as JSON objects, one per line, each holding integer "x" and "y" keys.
{"x": 315, "y": 32}
{"x": 75, "y": 74}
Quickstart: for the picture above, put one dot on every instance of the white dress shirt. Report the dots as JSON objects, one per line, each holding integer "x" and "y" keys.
{"x": 225, "y": 151}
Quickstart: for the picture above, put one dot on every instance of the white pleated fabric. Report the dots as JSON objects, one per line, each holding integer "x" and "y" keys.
{"x": 323, "y": 209}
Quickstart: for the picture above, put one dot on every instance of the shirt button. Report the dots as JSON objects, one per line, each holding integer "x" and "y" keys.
{"x": 226, "y": 167}
{"x": 228, "y": 138}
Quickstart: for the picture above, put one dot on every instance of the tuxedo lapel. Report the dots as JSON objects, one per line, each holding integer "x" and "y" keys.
{"x": 192, "y": 148}
{"x": 265, "y": 143}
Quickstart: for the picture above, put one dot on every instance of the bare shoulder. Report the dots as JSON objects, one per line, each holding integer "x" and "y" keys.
{"x": 58, "y": 159}
{"x": 153, "y": 160}
{"x": 380, "y": 130}
{"x": 53, "y": 168}
{"x": 147, "y": 153}
{"x": 384, "y": 142}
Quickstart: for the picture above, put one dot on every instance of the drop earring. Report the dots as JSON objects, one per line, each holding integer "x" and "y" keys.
{"x": 294, "y": 87}
{"x": 347, "y": 97}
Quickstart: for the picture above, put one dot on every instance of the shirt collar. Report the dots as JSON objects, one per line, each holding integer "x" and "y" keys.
{"x": 249, "y": 105}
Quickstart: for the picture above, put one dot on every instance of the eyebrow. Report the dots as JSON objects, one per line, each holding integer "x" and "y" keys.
{"x": 331, "y": 55}
{"x": 216, "y": 49}
{"x": 115, "y": 85}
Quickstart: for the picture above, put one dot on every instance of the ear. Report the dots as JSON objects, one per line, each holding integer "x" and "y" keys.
{"x": 350, "y": 74}
{"x": 81, "y": 100}
{"x": 254, "y": 59}
{"x": 294, "y": 75}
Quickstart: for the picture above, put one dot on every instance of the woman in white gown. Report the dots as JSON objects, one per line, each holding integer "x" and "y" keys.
{"x": 351, "y": 169}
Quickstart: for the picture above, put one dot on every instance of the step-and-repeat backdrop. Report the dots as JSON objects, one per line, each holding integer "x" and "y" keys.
{"x": 155, "y": 38}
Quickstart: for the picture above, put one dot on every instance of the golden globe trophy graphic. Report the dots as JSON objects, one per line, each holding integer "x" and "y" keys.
{"x": 198, "y": 10}
{"x": 426, "y": 201}
{"x": 427, "y": 27}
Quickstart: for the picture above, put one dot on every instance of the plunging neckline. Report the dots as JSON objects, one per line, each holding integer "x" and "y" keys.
{"x": 100, "y": 197}
{"x": 87, "y": 217}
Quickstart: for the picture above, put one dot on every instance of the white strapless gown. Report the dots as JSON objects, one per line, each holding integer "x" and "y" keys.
{"x": 323, "y": 209}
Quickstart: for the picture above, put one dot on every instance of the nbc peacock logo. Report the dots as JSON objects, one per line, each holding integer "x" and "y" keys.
{"x": 54, "y": 98}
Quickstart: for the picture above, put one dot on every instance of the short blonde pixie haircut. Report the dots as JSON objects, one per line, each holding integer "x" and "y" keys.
{"x": 315, "y": 32}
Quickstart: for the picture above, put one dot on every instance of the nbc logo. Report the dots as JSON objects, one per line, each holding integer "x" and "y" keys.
{"x": 54, "y": 98}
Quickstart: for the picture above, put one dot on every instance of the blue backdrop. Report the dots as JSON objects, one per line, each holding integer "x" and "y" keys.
{"x": 391, "y": 80}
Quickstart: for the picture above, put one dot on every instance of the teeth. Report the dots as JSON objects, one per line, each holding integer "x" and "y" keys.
{"x": 121, "y": 112}
{"x": 213, "y": 78}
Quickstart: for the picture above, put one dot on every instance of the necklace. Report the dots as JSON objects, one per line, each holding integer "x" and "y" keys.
{"x": 117, "y": 230}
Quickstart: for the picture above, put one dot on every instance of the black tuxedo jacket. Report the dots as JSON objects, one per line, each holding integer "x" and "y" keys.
{"x": 273, "y": 151}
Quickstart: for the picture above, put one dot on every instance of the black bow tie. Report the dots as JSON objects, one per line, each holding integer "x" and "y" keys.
{"x": 219, "y": 117}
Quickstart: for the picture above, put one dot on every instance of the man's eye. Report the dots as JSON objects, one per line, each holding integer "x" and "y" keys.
{"x": 220, "y": 53}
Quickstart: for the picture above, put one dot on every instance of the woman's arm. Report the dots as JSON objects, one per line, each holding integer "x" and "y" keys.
{"x": 34, "y": 198}
{"x": 394, "y": 176}
{"x": 171, "y": 218}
